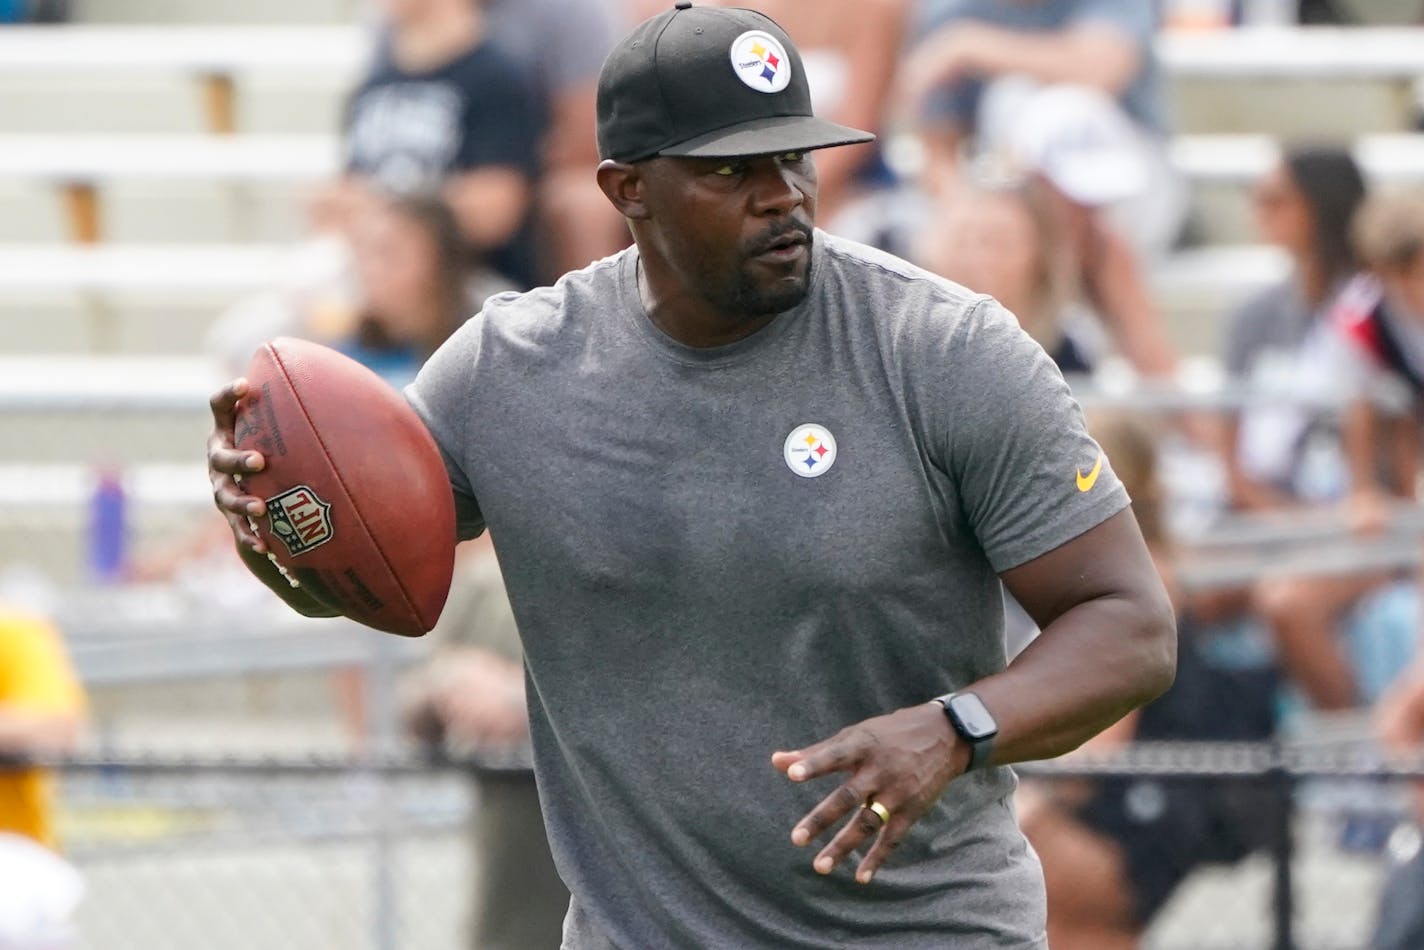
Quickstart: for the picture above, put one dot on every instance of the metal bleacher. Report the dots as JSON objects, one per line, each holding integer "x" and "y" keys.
{"x": 153, "y": 162}
{"x": 160, "y": 215}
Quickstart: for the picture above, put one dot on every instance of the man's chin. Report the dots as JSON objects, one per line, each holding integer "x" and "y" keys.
{"x": 783, "y": 297}
{"x": 767, "y": 296}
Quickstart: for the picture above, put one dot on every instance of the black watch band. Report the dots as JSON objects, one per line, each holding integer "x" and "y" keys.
{"x": 974, "y": 724}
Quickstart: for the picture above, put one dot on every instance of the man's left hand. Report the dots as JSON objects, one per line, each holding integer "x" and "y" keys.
{"x": 901, "y": 761}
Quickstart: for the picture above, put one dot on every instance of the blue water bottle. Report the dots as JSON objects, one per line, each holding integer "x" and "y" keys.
{"x": 108, "y": 531}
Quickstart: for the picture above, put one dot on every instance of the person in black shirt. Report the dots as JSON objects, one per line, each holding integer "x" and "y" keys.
{"x": 444, "y": 108}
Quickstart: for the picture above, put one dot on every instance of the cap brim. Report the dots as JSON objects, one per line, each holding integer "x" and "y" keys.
{"x": 768, "y": 136}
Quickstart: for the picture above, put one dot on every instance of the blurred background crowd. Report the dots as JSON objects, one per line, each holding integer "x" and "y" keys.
{"x": 1210, "y": 213}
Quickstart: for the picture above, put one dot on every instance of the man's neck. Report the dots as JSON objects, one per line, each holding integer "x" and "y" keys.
{"x": 691, "y": 320}
{"x": 438, "y": 37}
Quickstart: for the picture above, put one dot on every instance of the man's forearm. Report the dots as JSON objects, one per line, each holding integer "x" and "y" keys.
{"x": 1089, "y": 668}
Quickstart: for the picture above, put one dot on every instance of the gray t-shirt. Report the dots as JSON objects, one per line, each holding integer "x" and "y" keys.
{"x": 716, "y": 553}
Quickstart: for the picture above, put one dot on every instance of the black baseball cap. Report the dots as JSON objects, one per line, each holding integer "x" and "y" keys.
{"x": 709, "y": 82}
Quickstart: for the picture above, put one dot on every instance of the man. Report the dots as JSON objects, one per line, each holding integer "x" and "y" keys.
{"x": 753, "y": 489}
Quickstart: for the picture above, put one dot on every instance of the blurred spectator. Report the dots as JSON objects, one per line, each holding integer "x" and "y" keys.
{"x": 1072, "y": 283}
{"x": 412, "y": 280}
{"x": 562, "y": 45}
{"x": 42, "y": 709}
{"x": 979, "y": 62}
{"x": 1001, "y": 239}
{"x": 415, "y": 286}
{"x": 33, "y": 11}
{"x": 1084, "y": 155}
{"x": 468, "y": 702}
{"x": 41, "y": 712}
{"x": 850, "y": 50}
{"x": 444, "y": 109}
{"x": 1381, "y": 316}
{"x": 1114, "y": 851}
{"x": 1280, "y": 455}
{"x": 1400, "y": 723}
{"x": 1304, "y": 206}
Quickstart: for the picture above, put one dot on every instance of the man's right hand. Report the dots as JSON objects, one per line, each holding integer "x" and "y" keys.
{"x": 227, "y": 465}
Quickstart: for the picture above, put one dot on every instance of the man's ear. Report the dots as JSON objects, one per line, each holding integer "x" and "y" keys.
{"x": 623, "y": 184}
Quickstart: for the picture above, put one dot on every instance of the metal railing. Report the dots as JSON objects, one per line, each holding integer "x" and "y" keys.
{"x": 370, "y": 851}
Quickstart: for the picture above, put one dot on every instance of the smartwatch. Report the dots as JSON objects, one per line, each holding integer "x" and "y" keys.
{"x": 974, "y": 723}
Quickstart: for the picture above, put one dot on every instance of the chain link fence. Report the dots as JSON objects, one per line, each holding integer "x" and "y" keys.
{"x": 361, "y": 853}
{"x": 231, "y": 855}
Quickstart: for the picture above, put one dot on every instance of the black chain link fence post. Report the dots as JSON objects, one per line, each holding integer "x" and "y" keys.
{"x": 1281, "y": 782}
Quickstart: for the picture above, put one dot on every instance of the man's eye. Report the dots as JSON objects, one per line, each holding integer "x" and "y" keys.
{"x": 726, "y": 171}
{"x": 792, "y": 156}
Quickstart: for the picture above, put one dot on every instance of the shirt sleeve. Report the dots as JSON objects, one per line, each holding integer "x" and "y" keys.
{"x": 440, "y": 395}
{"x": 35, "y": 674}
{"x": 1029, "y": 476}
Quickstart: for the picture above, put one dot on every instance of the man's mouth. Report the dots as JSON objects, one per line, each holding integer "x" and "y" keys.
{"x": 788, "y": 246}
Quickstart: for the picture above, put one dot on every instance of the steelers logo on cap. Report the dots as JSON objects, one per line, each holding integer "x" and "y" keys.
{"x": 810, "y": 450}
{"x": 760, "y": 61}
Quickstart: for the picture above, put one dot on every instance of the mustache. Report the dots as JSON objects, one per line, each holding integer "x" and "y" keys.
{"x": 768, "y": 238}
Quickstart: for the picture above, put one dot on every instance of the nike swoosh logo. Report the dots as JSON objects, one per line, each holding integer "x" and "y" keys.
{"x": 1086, "y": 482}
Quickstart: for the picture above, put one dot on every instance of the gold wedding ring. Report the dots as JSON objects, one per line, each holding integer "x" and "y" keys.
{"x": 880, "y": 810}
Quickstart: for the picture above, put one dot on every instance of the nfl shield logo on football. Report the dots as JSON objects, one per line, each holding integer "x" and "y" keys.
{"x": 300, "y": 518}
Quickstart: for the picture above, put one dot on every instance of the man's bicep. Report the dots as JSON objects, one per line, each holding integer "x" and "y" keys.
{"x": 1109, "y": 560}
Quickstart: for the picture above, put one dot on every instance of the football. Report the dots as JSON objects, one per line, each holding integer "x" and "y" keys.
{"x": 359, "y": 509}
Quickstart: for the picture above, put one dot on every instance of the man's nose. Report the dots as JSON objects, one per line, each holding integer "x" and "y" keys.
{"x": 777, "y": 189}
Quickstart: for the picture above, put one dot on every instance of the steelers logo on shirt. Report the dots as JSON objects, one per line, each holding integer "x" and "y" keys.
{"x": 810, "y": 450}
{"x": 761, "y": 62}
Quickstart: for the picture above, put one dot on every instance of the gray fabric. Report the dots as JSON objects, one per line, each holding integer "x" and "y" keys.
{"x": 1275, "y": 319}
{"x": 688, "y": 605}
{"x": 1143, "y": 97}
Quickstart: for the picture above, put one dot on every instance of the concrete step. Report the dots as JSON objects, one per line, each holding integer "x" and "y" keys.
{"x": 151, "y": 103}
{"x": 1295, "y": 108}
{"x": 163, "y": 212}
{"x": 204, "y": 11}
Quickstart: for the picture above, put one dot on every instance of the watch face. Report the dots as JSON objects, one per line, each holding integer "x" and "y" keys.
{"x": 974, "y": 718}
